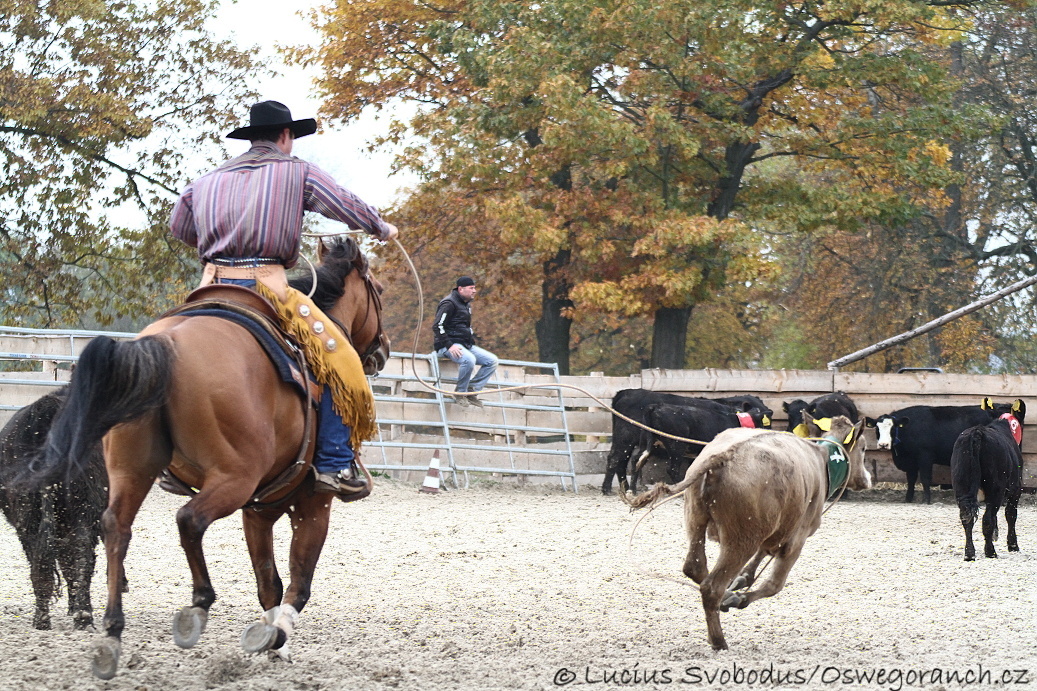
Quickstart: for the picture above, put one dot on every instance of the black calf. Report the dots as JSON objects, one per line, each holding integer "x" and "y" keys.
{"x": 58, "y": 526}
{"x": 633, "y": 404}
{"x": 987, "y": 457}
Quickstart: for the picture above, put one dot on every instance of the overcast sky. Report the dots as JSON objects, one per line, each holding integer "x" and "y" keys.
{"x": 339, "y": 149}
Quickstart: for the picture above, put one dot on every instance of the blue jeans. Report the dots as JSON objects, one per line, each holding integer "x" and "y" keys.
{"x": 470, "y": 357}
{"x": 333, "y": 452}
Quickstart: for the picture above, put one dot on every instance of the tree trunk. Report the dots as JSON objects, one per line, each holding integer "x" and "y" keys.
{"x": 670, "y": 337}
{"x": 552, "y": 328}
{"x": 956, "y": 289}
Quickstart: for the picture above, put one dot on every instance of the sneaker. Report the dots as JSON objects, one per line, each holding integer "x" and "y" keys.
{"x": 474, "y": 400}
{"x": 462, "y": 401}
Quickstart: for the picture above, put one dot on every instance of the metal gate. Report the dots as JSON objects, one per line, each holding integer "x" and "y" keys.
{"x": 521, "y": 433}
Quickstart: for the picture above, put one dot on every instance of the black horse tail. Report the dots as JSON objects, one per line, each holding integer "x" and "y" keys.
{"x": 114, "y": 382}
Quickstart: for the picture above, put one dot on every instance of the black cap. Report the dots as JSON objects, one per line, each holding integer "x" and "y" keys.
{"x": 271, "y": 115}
{"x": 465, "y": 281}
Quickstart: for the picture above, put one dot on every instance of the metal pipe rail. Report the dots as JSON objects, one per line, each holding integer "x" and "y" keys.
{"x": 505, "y": 421}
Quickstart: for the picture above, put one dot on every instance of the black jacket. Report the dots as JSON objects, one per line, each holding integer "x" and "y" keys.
{"x": 453, "y": 323}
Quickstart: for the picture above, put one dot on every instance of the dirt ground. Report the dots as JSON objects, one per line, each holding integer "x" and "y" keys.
{"x": 506, "y": 587}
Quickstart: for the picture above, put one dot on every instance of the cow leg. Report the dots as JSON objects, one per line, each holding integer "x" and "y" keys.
{"x": 695, "y": 565}
{"x": 912, "y": 478}
{"x": 42, "y": 575}
{"x": 635, "y": 463}
{"x": 968, "y": 510}
{"x": 618, "y": 451}
{"x": 714, "y": 588}
{"x": 677, "y": 452}
{"x": 775, "y": 579}
{"x": 76, "y": 557}
{"x": 1011, "y": 511}
{"x": 748, "y": 575}
{"x": 925, "y": 472}
{"x": 990, "y": 524}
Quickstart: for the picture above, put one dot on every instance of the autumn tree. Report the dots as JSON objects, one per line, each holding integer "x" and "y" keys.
{"x": 102, "y": 104}
{"x": 974, "y": 239}
{"x": 612, "y": 146}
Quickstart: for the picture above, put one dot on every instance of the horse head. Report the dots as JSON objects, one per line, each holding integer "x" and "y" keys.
{"x": 348, "y": 293}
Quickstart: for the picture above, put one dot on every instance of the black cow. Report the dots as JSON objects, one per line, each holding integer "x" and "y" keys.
{"x": 689, "y": 422}
{"x": 988, "y": 457}
{"x": 633, "y": 403}
{"x": 921, "y": 436}
{"x": 58, "y": 526}
{"x": 827, "y": 406}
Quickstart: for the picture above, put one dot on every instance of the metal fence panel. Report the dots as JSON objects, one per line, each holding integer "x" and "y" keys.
{"x": 415, "y": 412}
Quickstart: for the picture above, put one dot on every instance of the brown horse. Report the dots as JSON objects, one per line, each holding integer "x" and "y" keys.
{"x": 197, "y": 395}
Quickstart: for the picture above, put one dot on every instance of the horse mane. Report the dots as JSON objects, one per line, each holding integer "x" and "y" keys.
{"x": 340, "y": 258}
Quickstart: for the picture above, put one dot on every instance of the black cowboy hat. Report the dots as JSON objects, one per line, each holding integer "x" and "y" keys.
{"x": 271, "y": 115}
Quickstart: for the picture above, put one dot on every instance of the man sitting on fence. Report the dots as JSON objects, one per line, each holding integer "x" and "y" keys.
{"x": 455, "y": 339}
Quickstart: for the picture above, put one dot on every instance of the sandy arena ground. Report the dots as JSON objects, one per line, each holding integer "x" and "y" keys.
{"x": 505, "y": 587}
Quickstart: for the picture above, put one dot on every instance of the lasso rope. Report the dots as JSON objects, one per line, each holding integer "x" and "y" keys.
{"x": 559, "y": 385}
{"x": 518, "y": 387}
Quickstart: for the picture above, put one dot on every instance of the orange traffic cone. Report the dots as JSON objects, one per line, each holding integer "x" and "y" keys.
{"x": 431, "y": 482}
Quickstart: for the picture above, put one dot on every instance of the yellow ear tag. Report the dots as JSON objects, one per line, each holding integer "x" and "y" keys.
{"x": 849, "y": 438}
{"x": 800, "y": 430}
{"x": 824, "y": 424}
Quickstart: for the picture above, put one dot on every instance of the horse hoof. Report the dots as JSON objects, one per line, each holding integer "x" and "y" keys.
{"x": 188, "y": 625}
{"x": 259, "y": 637}
{"x": 106, "y": 658}
{"x": 738, "y": 583}
{"x": 283, "y": 653}
{"x": 82, "y": 620}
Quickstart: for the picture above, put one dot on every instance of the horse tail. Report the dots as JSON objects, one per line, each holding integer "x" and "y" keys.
{"x": 113, "y": 383}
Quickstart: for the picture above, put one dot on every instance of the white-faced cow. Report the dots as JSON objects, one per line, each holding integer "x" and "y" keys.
{"x": 688, "y": 422}
{"x": 922, "y": 436}
{"x": 827, "y": 406}
{"x": 988, "y": 457}
{"x": 59, "y": 526}
{"x": 632, "y": 403}
{"x": 759, "y": 494}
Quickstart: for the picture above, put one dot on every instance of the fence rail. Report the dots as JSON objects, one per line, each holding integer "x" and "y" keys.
{"x": 539, "y": 433}
{"x": 415, "y": 412}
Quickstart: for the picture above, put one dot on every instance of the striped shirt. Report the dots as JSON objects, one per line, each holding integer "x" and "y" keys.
{"x": 252, "y": 206}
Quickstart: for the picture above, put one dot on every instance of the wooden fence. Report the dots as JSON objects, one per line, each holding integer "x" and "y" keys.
{"x": 589, "y": 423}
{"x": 874, "y": 395}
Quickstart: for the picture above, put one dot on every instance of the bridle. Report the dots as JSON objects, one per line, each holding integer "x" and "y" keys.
{"x": 376, "y": 354}
{"x": 374, "y": 357}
